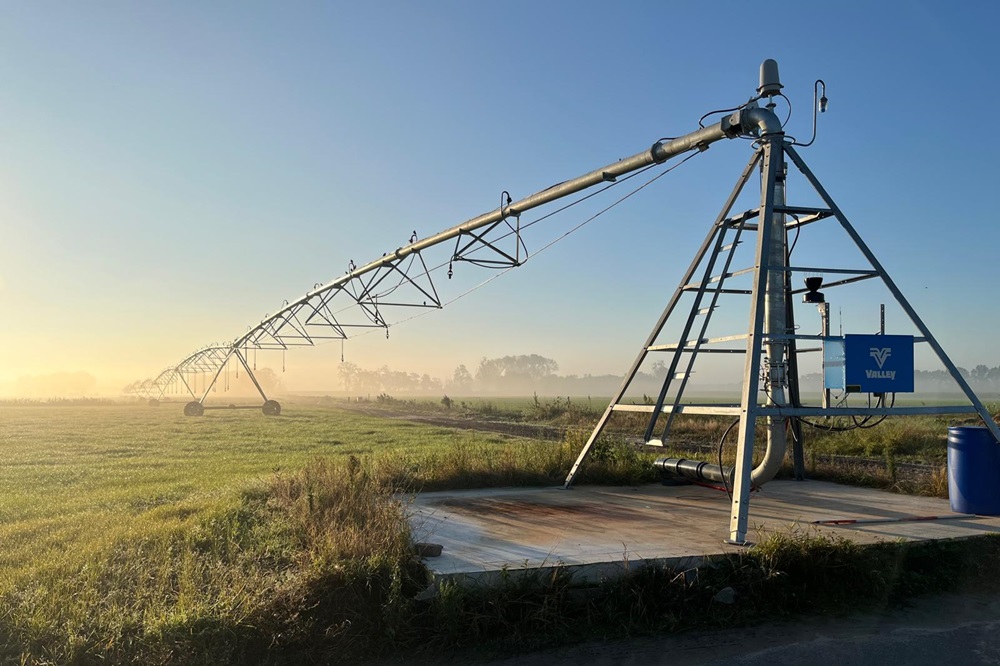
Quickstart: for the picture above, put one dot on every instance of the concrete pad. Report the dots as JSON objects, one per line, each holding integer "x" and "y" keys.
{"x": 596, "y": 531}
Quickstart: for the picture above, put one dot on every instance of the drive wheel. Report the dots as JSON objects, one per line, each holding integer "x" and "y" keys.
{"x": 194, "y": 408}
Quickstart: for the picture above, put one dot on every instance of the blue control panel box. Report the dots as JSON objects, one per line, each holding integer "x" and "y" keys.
{"x": 869, "y": 363}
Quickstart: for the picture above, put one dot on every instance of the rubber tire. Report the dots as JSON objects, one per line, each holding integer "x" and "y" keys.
{"x": 271, "y": 408}
{"x": 194, "y": 408}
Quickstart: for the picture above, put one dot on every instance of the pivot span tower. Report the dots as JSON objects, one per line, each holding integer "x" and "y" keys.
{"x": 769, "y": 345}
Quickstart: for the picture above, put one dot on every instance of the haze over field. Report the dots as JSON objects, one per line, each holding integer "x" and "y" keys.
{"x": 172, "y": 172}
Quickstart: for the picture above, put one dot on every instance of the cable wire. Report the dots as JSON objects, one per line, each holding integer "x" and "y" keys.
{"x": 722, "y": 471}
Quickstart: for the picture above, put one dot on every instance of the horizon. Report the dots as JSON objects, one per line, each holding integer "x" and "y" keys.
{"x": 273, "y": 382}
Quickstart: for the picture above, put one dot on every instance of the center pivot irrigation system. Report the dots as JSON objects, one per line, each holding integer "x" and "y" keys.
{"x": 879, "y": 366}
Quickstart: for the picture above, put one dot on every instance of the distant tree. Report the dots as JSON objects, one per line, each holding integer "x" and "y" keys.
{"x": 937, "y": 379}
{"x": 269, "y": 380}
{"x": 429, "y": 384}
{"x": 461, "y": 380}
{"x": 242, "y": 385}
{"x": 349, "y": 374}
{"x": 532, "y": 366}
{"x": 508, "y": 370}
{"x": 980, "y": 372}
{"x": 368, "y": 381}
{"x": 490, "y": 371}
{"x": 397, "y": 381}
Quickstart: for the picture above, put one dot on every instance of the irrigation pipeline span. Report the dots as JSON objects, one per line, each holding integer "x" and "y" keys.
{"x": 398, "y": 281}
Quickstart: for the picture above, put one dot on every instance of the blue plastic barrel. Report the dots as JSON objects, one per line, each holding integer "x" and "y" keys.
{"x": 973, "y": 471}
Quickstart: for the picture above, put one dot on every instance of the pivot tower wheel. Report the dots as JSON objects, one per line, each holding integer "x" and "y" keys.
{"x": 194, "y": 408}
{"x": 271, "y": 408}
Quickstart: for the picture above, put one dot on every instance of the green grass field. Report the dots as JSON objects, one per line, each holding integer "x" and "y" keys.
{"x": 134, "y": 534}
{"x": 82, "y": 474}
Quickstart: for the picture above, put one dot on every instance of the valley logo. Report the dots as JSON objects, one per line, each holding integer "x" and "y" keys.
{"x": 881, "y": 355}
{"x": 878, "y": 363}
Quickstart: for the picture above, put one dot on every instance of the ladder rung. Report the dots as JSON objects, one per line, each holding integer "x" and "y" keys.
{"x": 718, "y": 278}
{"x": 702, "y": 350}
{"x": 674, "y": 347}
{"x": 723, "y": 410}
{"x": 709, "y": 290}
{"x": 803, "y": 210}
{"x": 736, "y": 219}
{"x": 690, "y": 344}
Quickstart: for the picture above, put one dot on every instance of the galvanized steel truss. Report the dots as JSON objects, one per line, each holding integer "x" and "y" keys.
{"x": 363, "y": 297}
{"x": 713, "y": 266}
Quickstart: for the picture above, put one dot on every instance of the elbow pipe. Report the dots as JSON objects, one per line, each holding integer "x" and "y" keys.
{"x": 771, "y": 463}
{"x": 754, "y": 118}
{"x": 704, "y": 471}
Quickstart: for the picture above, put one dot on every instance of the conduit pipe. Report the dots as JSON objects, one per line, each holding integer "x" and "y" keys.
{"x": 698, "y": 471}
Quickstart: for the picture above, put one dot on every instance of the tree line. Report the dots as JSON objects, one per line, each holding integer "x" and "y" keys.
{"x": 505, "y": 375}
{"x": 523, "y": 374}
{"x": 981, "y": 378}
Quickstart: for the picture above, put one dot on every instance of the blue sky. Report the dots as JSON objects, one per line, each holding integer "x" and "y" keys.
{"x": 170, "y": 172}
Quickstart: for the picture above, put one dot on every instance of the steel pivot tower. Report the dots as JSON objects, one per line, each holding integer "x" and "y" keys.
{"x": 770, "y": 387}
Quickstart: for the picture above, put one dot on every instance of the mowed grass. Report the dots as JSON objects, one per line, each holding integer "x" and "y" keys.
{"x": 136, "y": 534}
{"x": 74, "y": 474}
{"x": 97, "y": 498}
{"x": 78, "y": 474}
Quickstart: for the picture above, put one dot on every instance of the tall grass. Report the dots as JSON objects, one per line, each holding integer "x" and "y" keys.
{"x": 497, "y": 461}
